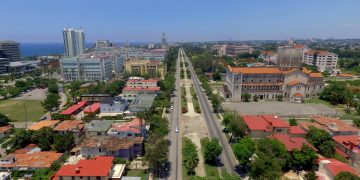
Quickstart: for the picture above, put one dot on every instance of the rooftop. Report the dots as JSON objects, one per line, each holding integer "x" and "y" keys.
{"x": 42, "y": 159}
{"x": 351, "y": 143}
{"x": 142, "y": 80}
{"x": 296, "y": 130}
{"x": 335, "y": 167}
{"x": 264, "y": 122}
{"x": 127, "y": 88}
{"x": 99, "y": 166}
{"x": 113, "y": 100}
{"x": 334, "y": 124}
{"x": 134, "y": 125}
{"x": 99, "y": 125}
{"x": 111, "y": 143}
{"x": 44, "y": 123}
{"x": 74, "y": 108}
{"x": 93, "y": 108}
{"x": 69, "y": 125}
{"x": 6, "y": 128}
{"x": 291, "y": 143}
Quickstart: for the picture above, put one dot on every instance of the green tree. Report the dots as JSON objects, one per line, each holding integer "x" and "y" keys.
{"x": 190, "y": 156}
{"x": 321, "y": 140}
{"x": 356, "y": 122}
{"x": 156, "y": 152}
{"x": 279, "y": 97}
{"x": 51, "y": 101}
{"x": 21, "y": 139}
{"x": 227, "y": 118}
{"x": 228, "y": 176}
{"x": 243, "y": 150}
{"x": 212, "y": 149}
{"x": 246, "y": 97}
{"x": 265, "y": 167}
{"x": 275, "y": 150}
{"x": 335, "y": 93}
{"x": 43, "y": 138}
{"x": 310, "y": 175}
{"x": 305, "y": 159}
{"x": 14, "y": 91}
{"x": 237, "y": 127}
{"x": 4, "y": 120}
{"x": 63, "y": 142}
{"x": 293, "y": 122}
{"x": 346, "y": 175}
{"x": 53, "y": 88}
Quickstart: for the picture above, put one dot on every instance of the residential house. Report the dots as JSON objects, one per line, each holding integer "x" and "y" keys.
{"x": 97, "y": 127}
{"x": 297, "y": 131}
{"x": 76, "y": 127}
{"x": 93, "y": 108}
{"x": 127, "y": 148}
{"x": 261, "y": 126}
{"x": 113, "y": 106}
{"x": 291, "y": 143}
{"x": 335, "y": 127}
{"x": 99, "y": 168}
{"x": 329, "y": 168}
{"x": 133, "y": 128}
{"x": 94, "y": 97}
{"x": 44, "y": 123}
{"x": 348, "y": 147}
{"x": 29, "y": 161}
{"x": 74, "y": 109}
{"x": 5, "y": 130}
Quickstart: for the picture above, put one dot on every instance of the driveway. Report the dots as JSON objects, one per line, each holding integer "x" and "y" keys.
{"x": 279, "y": 108}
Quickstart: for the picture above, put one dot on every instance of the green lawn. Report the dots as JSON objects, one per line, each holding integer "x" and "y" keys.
{"x": 14, "y": 109}
{"x": 195, "y": 100}
{"x": 137, "y": 173}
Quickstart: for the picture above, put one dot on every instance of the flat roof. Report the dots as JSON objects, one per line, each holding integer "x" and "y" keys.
{"x": 99, "y": 125}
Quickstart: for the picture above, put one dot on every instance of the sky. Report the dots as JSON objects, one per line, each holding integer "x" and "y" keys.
{"x": 42, "y": 21}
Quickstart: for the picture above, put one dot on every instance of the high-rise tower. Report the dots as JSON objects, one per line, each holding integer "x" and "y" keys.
{"x": 163, "y": 41}
{"x": 74, "y": 42}
{"x": 11, "y": 49}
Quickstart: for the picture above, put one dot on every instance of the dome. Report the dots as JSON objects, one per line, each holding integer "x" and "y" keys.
{"x": 289, "y": 58}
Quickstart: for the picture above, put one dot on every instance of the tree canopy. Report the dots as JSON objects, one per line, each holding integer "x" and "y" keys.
{"x": 243, "y": 150}
{"x": 212, "y": 149}
{"x": 321, "y": 140}
{"x": 190, "y": 156}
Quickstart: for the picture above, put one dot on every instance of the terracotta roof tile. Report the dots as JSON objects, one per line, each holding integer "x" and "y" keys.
{"x": 44, "y": 123}
{"x": 69, "y": 125}
{"x": 291, "y": 143}
{"x": 35, "y": 160}
{"x": 296, "y": 130}
{"x": 111, "y": 143}
{"x": 339, "y": 124}
{"x": 6, "y": 128}
{"x": 316, "y": 75}
{"x": 335, "y": 167}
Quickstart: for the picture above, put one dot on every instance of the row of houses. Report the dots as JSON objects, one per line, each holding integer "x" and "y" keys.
{"x": 345, "y": 137}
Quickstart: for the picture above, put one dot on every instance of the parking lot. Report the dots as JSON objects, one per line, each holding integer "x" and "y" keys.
{"x": 279, "y": 108}
{"x": 36, "y": 94}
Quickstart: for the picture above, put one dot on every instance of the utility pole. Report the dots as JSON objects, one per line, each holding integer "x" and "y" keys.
{"x": 26, "y": 123}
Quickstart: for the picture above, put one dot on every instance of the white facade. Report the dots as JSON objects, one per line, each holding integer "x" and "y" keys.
{"x": 323, "y": 60}
{"x": 86, "y": 68}
{"x": 74, "y": 42}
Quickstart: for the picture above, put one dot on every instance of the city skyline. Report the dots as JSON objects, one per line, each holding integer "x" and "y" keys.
{"x": 180, "y": 20}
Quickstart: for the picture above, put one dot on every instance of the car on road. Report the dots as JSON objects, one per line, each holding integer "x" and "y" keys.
{"x": 171, "y": 107}
{"x": 177, "y": 129}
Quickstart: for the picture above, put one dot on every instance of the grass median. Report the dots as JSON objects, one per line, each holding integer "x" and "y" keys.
{"x": 184, "y": 108}
{"x": 195, "y": 100}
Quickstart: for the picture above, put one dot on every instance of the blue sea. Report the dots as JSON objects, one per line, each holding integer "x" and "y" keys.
{"x": 37, "y": 49}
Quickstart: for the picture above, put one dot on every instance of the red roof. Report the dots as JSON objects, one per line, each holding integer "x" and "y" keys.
{"x": 100, "y": 166}
{"x": 74, "y": 108}
{"x": 335, "y": 125}
{"x": 291, "y": 143}
{"x": 349, "y": 142}
{"x": 296, "y": 130}
{"x": 264, "y": 122}
{"x": 127, "y": 88}
{"x": 341, "y": 153}
{"x": 134, "y": 126}
{"x": 335, "y": 167}
{"x": 6, "y": 128}
{"x": 298, "y": 95}
{"x": 93, "y": 108}
{"x": 142, "y": 80}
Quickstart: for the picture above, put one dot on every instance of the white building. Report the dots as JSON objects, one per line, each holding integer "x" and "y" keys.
{"x": 323, "y": 60}
{"x": 113, "y": 106}
{"x": 74, "y": 42}
{"x": 86, "y": 67}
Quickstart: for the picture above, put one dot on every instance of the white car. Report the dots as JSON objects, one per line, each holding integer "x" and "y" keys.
{"x": 171, "y": 107}
{"x": 177, "y": 129}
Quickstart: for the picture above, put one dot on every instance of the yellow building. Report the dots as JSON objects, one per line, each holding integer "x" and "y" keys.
{"x": 145, "y": 67}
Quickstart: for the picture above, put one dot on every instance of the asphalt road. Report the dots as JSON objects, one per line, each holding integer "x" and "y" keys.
{"x": 175, "y": 138}
{"x": 227, "y": 157}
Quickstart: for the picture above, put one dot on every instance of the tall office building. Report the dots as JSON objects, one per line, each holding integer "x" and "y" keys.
{"x": 11, "y": 49}
{"x": 163, "y": 41}
{"x": 4, "y": 62}
{"x": 74, "y": 42}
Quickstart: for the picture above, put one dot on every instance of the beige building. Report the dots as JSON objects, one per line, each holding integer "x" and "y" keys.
{"x": 323, "y": 60}
{"x": 266, "y": 83}
{"x": 145, "y": 67}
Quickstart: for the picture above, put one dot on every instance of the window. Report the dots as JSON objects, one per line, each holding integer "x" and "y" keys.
{"x": 97, "y": 177}
{"x": 278, "y": 130}
{"x": 72, "y": 178}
